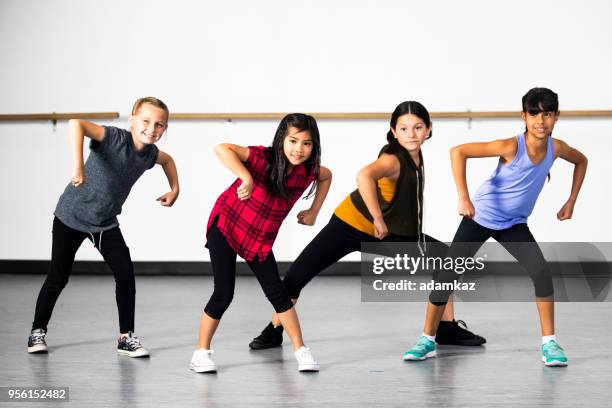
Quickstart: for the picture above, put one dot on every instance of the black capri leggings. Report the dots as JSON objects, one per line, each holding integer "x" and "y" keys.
{"x": 517, "y": 240}
{"x": 223, "y": 260}
{"x": 334, "y": 241}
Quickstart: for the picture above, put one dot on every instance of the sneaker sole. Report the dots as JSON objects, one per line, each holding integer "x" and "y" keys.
{"x": 554, "y": 363}
{"x": 38, "y": 349}
{"x": 465, "y": 343}
{"x": 258, "y": 346}
{"x": 306, "y": 368}
{"x": 410, "y": 357}
{"x": 208, "y": 369}
{"x": 134, "y": 354}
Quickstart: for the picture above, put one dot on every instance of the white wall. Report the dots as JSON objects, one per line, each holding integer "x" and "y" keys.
{"x": 244, "y": 56}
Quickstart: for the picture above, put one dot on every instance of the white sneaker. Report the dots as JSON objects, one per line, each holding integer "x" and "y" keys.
{"x": 305, "y": 360}
{"x": 201, "y": 361}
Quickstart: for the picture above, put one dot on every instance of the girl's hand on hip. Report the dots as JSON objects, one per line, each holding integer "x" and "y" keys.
{"x": 245, "y": 189}
{"x": 466, "y": 208}
{"x": 380, "y": 228}
{"x": 78, "y": 177}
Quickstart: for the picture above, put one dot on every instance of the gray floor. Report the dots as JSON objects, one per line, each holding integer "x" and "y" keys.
{"x": 359, "y": 346}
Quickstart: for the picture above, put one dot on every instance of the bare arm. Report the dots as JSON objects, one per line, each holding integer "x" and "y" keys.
{"x": 233, "y": 156}
{"x": 504, "y": 149}
{"x": 580, "y": 162}
{"x": 309, "y": 217}
{"x": 167, "y": 163}
{"x": 388, "y": 166}
{"x": 77, "y": 130}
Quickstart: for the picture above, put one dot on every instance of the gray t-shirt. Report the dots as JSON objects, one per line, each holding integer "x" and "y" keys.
{"x": 112, "y": 168}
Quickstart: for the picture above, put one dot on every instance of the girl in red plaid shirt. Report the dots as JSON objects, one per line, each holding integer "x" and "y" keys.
{"x": 247, "y": 216}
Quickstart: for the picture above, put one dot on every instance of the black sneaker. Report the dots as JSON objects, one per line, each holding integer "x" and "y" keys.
{"x": 270, "y": 337}
{"x": 36, "y": 341}
{"x": 456, "y": 333}
{"x": 130, "y": 346}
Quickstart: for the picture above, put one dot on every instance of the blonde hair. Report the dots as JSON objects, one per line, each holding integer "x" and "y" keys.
{"x": 152, "y": 101}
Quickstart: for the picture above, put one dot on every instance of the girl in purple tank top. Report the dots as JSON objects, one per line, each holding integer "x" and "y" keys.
{"x": 500, "y": 209}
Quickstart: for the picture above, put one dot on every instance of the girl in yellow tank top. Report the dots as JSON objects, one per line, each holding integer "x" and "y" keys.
{"x": 348, "y": 213}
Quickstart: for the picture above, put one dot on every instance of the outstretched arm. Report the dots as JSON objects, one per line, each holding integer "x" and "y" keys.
{"x": 77, "y": 130}
{"x": 566, "y": 152}
{"x": 167, "y": 163}
{"x": 504, "y": 149}
{"x": 309, "y": 217}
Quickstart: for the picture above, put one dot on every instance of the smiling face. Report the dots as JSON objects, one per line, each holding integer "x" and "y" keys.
{"x": 410, "y": 132}
{"x": 541, "y": 124}
{"x": 297, "y": 146}
{"x": 148, "y": 125}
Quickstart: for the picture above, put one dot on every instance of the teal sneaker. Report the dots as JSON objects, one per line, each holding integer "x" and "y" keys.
{"x": 423, "y": 349}
{"x": 553, "y": 354}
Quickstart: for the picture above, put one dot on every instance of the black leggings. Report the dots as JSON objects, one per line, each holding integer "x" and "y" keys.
{"x": 517, "y": 240}
{"x": 223, "y": 260}
{"x": 334, "y": 241}
{"x": 66, "y": 241}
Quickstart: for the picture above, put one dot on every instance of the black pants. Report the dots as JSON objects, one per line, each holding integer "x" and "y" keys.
{"x": 517, "y": 240}
{"x": 334, "y": 241}
{"x": 66, "y": 241}
{"x": 223, "y": 260}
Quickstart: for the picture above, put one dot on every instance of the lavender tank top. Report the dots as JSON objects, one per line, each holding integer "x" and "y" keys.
{"x": 507, "y": 198}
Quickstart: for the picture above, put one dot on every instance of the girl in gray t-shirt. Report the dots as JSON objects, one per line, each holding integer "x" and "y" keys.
{"x": 89, "y": 206}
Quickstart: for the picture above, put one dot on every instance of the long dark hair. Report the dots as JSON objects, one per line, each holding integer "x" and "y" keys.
{"x": 278, "y": 163}
{"x": 412, "y": 107}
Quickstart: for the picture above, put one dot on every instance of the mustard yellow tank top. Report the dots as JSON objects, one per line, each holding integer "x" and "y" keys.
{"x": 348, "y": 213}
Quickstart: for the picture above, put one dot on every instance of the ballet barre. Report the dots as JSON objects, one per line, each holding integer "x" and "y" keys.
{"x": 19, "y": 117}
{"x": 54, "y": 117}
{"x": 379, "y": 115}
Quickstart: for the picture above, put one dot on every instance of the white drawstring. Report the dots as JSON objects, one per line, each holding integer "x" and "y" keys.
{"x": 421, "y": 234}
{"x": 418, "y": 216}
{"x": 99, "y": 242}
{"x": 423, "y": 226}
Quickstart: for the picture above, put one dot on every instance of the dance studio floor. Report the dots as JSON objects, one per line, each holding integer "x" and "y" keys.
{"x": 359, "y": 346}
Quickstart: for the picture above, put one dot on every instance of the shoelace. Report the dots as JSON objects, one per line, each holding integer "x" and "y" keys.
{"x": 306, "y": 355}
{"x": 421, "y": 345}
{"x": 553, "y": 348}
{"x": 133, "y": 342}
{"x": 462, "y": 324}
{"x": 38, "y": 337}
{"x": 204, "y": 355}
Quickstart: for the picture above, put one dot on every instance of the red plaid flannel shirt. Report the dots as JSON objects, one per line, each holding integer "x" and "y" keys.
{"x": 250, "y": 226}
